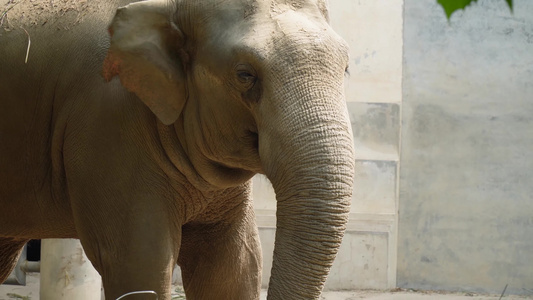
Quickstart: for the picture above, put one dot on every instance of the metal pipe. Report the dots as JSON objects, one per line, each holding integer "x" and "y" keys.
{"x": 30, "y": 266}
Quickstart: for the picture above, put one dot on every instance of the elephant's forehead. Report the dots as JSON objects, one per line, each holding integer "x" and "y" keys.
{"x": 281, "y": 6}
{"x": 261, "y": 28}
{"x": 228, "y": 12}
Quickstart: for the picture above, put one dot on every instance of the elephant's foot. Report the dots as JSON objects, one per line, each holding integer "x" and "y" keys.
{"x": 147, "y": 276}
{"x": 221, "y": 261}
{"x": 137, "y": 284}
{"x": 10, "y": 250}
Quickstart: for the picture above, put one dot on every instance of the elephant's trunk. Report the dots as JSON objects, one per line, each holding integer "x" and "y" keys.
{"x": 313, "y": 183}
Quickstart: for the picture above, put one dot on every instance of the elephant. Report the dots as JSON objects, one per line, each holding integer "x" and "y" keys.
{"x": 137, "y": 127}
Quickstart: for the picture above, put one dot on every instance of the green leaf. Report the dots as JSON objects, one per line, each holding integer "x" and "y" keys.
{"x": 450, "y": 6}
{"x": 510, "y": 3}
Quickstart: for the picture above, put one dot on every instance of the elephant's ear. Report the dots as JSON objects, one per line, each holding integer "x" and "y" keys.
{"x": 145, "y": 53}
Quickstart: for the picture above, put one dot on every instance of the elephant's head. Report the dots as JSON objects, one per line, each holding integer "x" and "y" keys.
{"x": 252, "y": 86}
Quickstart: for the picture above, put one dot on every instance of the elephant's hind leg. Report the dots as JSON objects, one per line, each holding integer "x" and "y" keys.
{"x": 10, "y": 249}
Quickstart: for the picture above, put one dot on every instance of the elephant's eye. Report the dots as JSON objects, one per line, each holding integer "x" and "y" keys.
{"x": 245, "y": 75}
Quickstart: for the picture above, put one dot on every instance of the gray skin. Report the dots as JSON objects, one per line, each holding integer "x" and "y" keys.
{"x": 141, "y": 142}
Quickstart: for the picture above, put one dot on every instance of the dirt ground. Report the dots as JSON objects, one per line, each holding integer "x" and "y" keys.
{"x": 31, "y": 292}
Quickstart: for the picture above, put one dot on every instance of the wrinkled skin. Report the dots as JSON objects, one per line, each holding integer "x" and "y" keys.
{"x": 141, "y": 141}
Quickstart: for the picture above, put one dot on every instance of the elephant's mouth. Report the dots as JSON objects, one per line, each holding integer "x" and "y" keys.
{"x": 252, "y": 143}
{"x": 253, "y": 136}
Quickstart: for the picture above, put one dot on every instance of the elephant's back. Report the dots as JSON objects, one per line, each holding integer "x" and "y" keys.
{"x": 48, "y": 48}
{"x": 51, "y": 14}
{"x": 43, "y": 30}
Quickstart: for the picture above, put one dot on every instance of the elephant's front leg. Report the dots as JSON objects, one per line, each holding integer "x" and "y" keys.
{"x": 126, "y": 213}
{"x": 130, "y": 231}
{"x": 222, "y": 260}
{"x": 133, "y": 249}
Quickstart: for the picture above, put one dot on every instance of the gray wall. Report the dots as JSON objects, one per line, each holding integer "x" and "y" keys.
{"x": 466, "y": 176}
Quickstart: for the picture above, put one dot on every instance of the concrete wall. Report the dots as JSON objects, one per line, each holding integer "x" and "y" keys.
{"x": 367, "y": 258}
{"x": 466, "y": 183}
